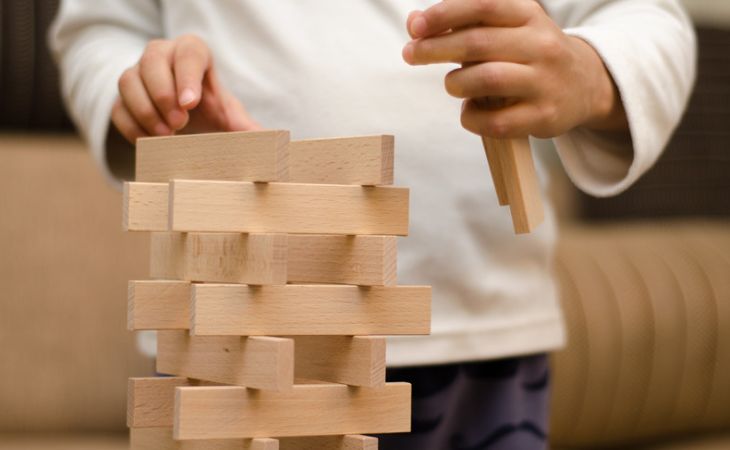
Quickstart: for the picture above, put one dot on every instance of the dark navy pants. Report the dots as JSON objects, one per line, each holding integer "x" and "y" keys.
{"x": 494, "y": 405}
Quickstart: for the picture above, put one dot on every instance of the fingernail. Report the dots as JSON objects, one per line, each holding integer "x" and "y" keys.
{"x": 162, "y": 130}
{"x": 408, "y": 53}
{"x": 418, "y": 26}
{"x": 187, "y": 97}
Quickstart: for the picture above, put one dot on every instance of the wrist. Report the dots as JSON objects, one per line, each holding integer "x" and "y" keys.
{"x": 604, "y": 109}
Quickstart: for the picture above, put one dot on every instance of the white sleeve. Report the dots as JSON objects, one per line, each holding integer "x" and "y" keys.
{"x": 94, "y": 41}
{"x": 649, "y": 48}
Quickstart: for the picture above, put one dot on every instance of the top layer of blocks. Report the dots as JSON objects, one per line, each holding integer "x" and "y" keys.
{"x": 256, "y": 182}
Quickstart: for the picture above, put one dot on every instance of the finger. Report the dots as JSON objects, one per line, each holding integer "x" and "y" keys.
{"x": 135, "y": 98}
{"x": 412, "y": 15}
{"x": 156, "y": 72}
{"x": 517, "y": 120}
{"x": 125, "y": 123}
{"x": 211, "y": 106}
{"x": 238, "y": 117}
{"x": 494, "y": 79}
{"x": 191, "y": 61}
{"x": 449, "y": 15}
{"x": 471, "y": 45}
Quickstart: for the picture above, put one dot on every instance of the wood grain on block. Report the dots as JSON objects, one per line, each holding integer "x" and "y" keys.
{"x": 307, "y": 410}
{"x": 219, "y": 257}
{"x": 348, "y": 442}
{"x": 494, "y": 160}
{"x": 287, "y": 208}
{"x": 365, "y": 160}
{"x": 243, "y": 310}
{"x": 145, "y": 207}
{"x": 353, "y": 360}
{"x": 234, "y": 156}
{"x": 227, "y": 257}
{"x": 257, "y": 362}
{"x": 523, "y": 187}
{"x": 161, "y": 439}
{"x": 150, "y": 401}
{"x": 158, "y": 305}
{"x": 361, "y": 260}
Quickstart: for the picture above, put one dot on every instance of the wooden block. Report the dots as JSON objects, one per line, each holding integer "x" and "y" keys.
{"x": 353, "y": 360}
{"x": 161, "y": 439}
{"x": 348, "y": 442}
{"x": 244, "y": 207}
{"x": 361, "y": 260}
{"x": 520, "y": 179}
{"x": 365, "y": 160}
{"x": 145, "y": 207}
{"x": 242, "y": 310}
{"x": 217, "y": 257}
{"x": 158, "y": 305}
{"x": 235, "y": 156}
{"x": 228, "y": 258}
{"x": 257, "y": 362}
{"x": 491, "y": 149}
{"x": 150, "y": 401}
{"x": 307, "y": 410}
{"x": 270, "y": 363}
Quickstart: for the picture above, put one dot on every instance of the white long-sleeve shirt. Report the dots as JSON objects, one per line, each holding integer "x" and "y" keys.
{"x": 331, "y": 68}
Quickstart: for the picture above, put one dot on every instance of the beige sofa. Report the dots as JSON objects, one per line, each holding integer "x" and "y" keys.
{"x": 647, "y": 307}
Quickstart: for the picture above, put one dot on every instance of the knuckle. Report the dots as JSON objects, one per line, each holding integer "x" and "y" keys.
{"x": 127, "y": 78}
{"x": 485, "y": 7}
{"x": 147, "y": 115}
{"x": 163, "y": 98}
{"x": 474, "y": 44}
{"x": 550, "y": 47}
{"x": 549, "y": 115}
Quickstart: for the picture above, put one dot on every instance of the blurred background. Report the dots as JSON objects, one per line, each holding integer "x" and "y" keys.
{"x": 644, "y": 277}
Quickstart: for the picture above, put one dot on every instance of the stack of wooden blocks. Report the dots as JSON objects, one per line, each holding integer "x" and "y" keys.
{"x": 273, "y": 267}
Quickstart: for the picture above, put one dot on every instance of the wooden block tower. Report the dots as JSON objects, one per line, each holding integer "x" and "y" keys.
{"x": 273, "y": 267}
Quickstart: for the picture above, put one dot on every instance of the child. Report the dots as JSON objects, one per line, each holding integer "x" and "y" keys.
{"x": 606, "y": 79}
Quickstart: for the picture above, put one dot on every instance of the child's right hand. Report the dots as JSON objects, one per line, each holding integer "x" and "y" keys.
{"x": 174, "y": 87}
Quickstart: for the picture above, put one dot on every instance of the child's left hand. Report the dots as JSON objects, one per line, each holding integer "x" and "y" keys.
{"x": 512, "y": 49}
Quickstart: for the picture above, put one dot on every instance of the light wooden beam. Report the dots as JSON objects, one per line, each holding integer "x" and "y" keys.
{"x": 223, "y": 206}
{"x": 353, "y": 360}
{"x": 307, "y": 410}
{"x": 236, "y": 258}
{"x": 145, "y": 207}
{"x": 150, "y": 400}
{"x": 515, "y": 181}
{"x": 220, "y": 257}
{"x": 158, "y": 305}
{"x": 361, "y": 260}
{"x": 242, "y": 310}
{"x": 348, "y": 442}
{"x": 243, "y": 207}
{"x": 161, "y": 439}
{"x": 365, "y": 160}
{"x": 270, "y": 363}
{"x": 258, "y": 362}
{"x": 233, "y": 156}
{"x": 310, "y": 310}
